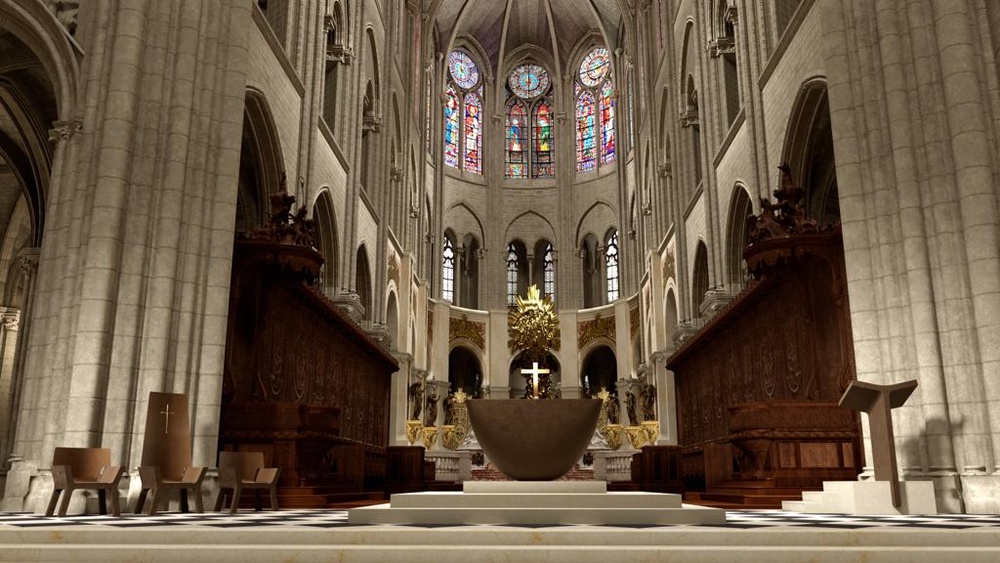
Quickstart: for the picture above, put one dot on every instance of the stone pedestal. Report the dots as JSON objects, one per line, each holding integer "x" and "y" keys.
{"x": 536, "y": 503}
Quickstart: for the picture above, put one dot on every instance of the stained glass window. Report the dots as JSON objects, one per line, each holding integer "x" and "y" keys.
{"x": 451, "y": 133}
{"x": 529, "y": 135}
{"x": 607, "y": 123}
{"x": 595, "y": 67}
{"x": 473, "y": 133}
{"x": 595, "y": 112}
{"x": 515, "y": 140}
{"x": 586, "y": 130}
{"x": 611, "y": 261}
{"x": 542, "y": 163}
{"x": 549, "y": 275}
{"x": 511, "y": 275}
{"x": 448, "y": 271}
{"x": 463, "y": 70}
{"x": 528, "y": 81}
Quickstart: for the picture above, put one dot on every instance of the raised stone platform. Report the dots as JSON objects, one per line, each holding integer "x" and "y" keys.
{"x": 536, "y": 503}
{"x": 866, "y": 497}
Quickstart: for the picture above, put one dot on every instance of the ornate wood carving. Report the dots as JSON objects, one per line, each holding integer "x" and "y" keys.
{"x": 302, "y": 382}
{"x": 587, "y": 331}
{"x": 770, "y": 366}
{"x": 464, "y": 328}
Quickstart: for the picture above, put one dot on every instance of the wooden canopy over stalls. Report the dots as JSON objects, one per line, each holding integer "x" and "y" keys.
{"x": 757, "y": 387}
{"x": 303, "y": 383}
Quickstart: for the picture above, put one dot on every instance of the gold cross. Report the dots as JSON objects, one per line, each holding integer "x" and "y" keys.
{"x": 166, "y": 422}
{"x": 534, "y": 372}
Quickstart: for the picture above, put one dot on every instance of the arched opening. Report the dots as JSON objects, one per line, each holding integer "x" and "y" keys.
{"x": 517, "y": 271}
{"x": 392, "y": 320}
{"x": 692, "y": 120}
{"x": 367, "y": 135}
{"x": 809, "y": 152}
{"x": 261, "y": 165}
{"x": 740, "y": 209}
{"x": 363, "y": 282}
{"x": 465, "y": 372}
{"x": 599, "y": 371}
{"x": 28, "y": 107}
{"x": 549, "y": 385}
{"x": 469, "y": 273}
{"x": 699, "y": 278}
{"x": 670, "y": 317}
{"x": 592, "y": 268}
{"x": 326, "y": 241}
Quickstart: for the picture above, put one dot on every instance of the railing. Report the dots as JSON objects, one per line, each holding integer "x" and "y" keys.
{"x": 450, "y": 465}
{"x": 613, "y": 465}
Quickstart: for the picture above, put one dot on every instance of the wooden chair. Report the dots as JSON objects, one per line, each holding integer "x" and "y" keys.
{"x": 84, "y": 468}
{"x": 239, "y": 471}
{"x": 166, "y": 454}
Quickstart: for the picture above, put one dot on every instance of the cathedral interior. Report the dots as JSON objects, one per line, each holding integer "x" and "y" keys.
{"x": 316, "y": 218}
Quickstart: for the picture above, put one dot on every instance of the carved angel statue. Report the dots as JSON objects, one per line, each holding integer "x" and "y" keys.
{"x": 415, "y": 395}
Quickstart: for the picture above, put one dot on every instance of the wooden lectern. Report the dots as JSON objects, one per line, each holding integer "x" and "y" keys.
{"x": 878, "y": 401}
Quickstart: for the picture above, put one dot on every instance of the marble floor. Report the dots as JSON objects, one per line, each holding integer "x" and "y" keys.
{"x": 757, "y": 536}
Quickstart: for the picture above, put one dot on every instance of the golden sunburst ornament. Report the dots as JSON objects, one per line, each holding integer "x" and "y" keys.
{"x": 534, "y": 325}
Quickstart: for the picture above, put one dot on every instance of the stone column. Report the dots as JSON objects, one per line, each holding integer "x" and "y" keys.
{"x": 9, "y": 320}
{"x": 399, "y": 400}
{"x": 666, "y": 399}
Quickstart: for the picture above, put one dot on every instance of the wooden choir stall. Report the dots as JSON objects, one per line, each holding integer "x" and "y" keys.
{"x": 757, "y": 387}
{"x": 304, "y": 384}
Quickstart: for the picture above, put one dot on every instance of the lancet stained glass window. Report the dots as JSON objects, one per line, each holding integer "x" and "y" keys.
{"x": 448, "y": 271}
{"x": 549, "y": 275}
{"x": 611, "y": 263}
{"x": 511, "y": 275}
{"x": 586, "y": 130}
{"x": 463, "y": 115}
{"x": 595, "y": 112}
{"x": 529, "y": 137}
{"x": 607, "y": 123}
{"x": 451, "y": 111}
{"x": 542, "y": 163}
{"x": 473, "y": 133}
{"x": 516, "y": 140}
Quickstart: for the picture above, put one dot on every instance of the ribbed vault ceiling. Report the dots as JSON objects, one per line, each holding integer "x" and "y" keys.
{"x": 503, "y": 26}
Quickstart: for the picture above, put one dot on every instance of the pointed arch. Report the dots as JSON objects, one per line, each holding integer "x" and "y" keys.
{"x": 586, "y": 132}
{"x": 363, "y": 281}
{"x": 262, "y": 166}
{"x": 325, "y": 218}
{"x": 740, "y": 207}
{"x": 515, "y": 145}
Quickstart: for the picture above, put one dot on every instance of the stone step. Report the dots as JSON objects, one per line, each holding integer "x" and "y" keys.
{"x": 544, "y": 516}
{"x": 622, "y": 500}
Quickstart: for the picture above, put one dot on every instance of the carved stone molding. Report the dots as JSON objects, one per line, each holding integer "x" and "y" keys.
{"x": 668, "y": 266}
{"x": 28, "y": 263}
{"x": 396, "y": 173}
{"x": 63, "y": 130}
{"x": 339, "y": 54}
{"x": 689, "y": 118}
{"x": 588, "y": 331}
{"x": 350, "y": 303}
{"x": 665, "y": 170}
{"x": 65, "y": 12}
{"x": 464, "y": 328}
{"x": 372, "y": 123}
{"x": 721, "y": 46}
{"x": 392, "y": 270}
{"x": 10, "y": 319}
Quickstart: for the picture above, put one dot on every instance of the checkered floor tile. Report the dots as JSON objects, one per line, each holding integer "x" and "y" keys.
{"x": 338, "y": 518}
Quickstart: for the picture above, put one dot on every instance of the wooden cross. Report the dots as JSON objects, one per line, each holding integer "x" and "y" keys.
{"x": 534, "y": 372}
{"x": 878, "y": 401}
{"x": 166, "y": 423}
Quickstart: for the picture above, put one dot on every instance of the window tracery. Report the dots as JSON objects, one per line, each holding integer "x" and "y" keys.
{"x": 529, "y": 134}
{"x": 595, "y": 112}
{"x": 463, "y": 114}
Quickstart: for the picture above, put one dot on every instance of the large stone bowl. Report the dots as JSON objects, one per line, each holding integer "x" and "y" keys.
{"x": 534, "y": 440}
